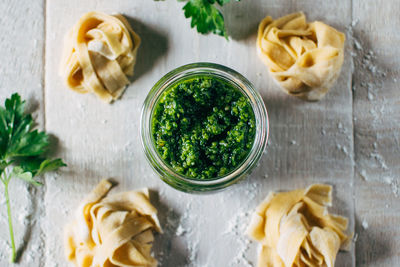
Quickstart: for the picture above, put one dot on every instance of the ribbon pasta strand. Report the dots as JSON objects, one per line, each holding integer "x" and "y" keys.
{"x": 305, "y": 59}
{"x": 295, "y": 229}
{"x": 99, "y": 53}
{"x": 112, "y": 230}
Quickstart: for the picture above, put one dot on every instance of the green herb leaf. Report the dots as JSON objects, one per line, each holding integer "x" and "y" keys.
{"x": 28, "y": 144}
{"x": 30, "y": 164}
{"x": 21, "y": 151}
{"x": 3, "y": 132}
{"x": 222, "y": 2}
{"x": 16, "y": 136}
{"x": 50, "y": 165}
{"x": 38, "y": 166}
{"x": 205, "y": 16}
{"x": 19, "y": 173}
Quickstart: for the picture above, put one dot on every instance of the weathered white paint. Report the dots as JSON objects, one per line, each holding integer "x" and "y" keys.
{"x": 21, "y": 70}
{"x": 377, "y": 132}
{"x": 309, "y": 142}
{"x": 95, "y": 150}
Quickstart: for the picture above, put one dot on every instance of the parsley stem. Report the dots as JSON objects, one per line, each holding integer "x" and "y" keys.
{"x": 10, "y": 225}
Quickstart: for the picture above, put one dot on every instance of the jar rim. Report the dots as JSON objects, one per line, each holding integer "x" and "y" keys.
{"x": 179, "y": 181}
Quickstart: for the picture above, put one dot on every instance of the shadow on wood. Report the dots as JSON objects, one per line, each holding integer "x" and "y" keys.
{"x": 241, "y": 19}
{"x": 32, "y": 104}
{"x": 167, "y": 249}
{"x": 372, "y": 245}
{"x": 30, "y": 224}
{"x": 154, "y": 44}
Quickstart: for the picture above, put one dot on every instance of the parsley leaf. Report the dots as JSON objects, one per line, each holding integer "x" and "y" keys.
{"x": 22, "y": 151}
{"x": 205, "y": 16}
{"x": 18, "y": 172}
{"x": 21, "y": 140}
{"x": 38, "y": 166}
{"x": 222, "y": 2}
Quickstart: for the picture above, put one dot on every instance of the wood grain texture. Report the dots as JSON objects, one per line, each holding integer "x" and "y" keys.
{"x": 309, "y": 142}
{"x": 349, "y": 139}
{"x": 21, "y": 70}
{"x": 377, "y": 132}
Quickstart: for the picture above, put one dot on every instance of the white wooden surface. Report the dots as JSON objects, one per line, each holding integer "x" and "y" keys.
{"x": 21, "y": 70}
{"x": 377, "y": 132}
{"x": 329, "y": 141}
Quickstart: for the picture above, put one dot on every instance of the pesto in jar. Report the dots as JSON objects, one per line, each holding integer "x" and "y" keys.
{"x": 203, "y": 127}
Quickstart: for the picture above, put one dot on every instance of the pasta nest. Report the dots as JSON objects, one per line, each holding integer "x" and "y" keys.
{"x": 114, "y": 230}
{"x": 295, "y": 229}
{"x": 305, "y": 59}
{"x": 99, "y": 53}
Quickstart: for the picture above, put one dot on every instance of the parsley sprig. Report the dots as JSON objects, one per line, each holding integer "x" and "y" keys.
{"x": 22, "y": 152}
{"x": 206, "y": 16}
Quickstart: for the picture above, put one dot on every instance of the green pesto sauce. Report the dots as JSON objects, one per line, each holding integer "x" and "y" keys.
{"x": 203, "y": 127}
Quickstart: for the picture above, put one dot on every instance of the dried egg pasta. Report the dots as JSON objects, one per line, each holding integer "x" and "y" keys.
{"x": 295, "y": 229}
{"x": 305, "y": 59}
{"x": 114, "y": 230}
{"x": 99, "y": 52}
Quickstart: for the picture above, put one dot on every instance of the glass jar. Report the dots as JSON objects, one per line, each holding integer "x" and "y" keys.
{"x": 179, "y": 181}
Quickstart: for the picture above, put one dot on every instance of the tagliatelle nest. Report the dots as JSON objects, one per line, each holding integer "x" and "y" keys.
{"x": 99, "y": 53}
{"x": 295, "y": 229}
{"x": 114, "y": 230}
{"x": 305, "y": 59}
